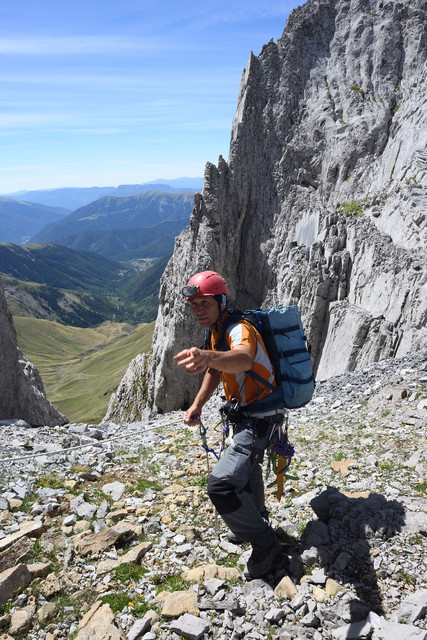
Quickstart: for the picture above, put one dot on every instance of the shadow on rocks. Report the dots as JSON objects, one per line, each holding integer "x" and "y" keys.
{"x": 344, "y": 541}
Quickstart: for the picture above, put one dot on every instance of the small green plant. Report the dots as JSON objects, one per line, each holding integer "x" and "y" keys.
{"x": 407, "y": 577}
{"x": 117, "y": 601}
{"x": 422, "y": 487}
{"x": 142, "y": 485}
{"x": 37, "y": 547}
{"x": 200, "y": 482}
{"x": 231, "y": 561}
{"x": 78, "y": 468}
{"x": 358, "y": 90}
{"x": 6, "y": 607}
{"x": 170, "y": 583}
{"x": 413, "y": 179}
{"x": 340, "y": 456}
{"x": 27, "y": 503}
{"x": 352, "y": 208}
{"x": 51, "y": 481}
{"x": 128, "y": 571}
{"x": 386, "y": 465}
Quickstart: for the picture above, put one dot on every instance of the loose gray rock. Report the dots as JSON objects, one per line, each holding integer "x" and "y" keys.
{"x": 190, "y": 627}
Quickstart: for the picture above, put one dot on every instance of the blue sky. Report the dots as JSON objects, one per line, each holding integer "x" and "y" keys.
{"x": 125, "y": 91}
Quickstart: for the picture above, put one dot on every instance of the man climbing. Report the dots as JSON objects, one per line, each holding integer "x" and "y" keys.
{"x": 235, "y": 485}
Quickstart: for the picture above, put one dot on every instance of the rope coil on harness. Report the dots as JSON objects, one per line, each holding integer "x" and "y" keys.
{"x": 284, "y": 451}
{"x": 283, "y": 448}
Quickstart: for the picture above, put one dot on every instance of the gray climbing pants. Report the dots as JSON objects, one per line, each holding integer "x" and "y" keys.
{"x": 236, "y": 486}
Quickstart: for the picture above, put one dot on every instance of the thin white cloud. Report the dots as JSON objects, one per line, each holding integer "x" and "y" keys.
{"x": 70, "y": 45}
{"x": 153, "y": 78}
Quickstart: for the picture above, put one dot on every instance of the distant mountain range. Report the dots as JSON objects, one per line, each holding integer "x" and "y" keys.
{"x": 70, "y": 268}
{"x": 122, "y": 213}
{"x": 73, "y": 198}
{"x": 20, "y": 220}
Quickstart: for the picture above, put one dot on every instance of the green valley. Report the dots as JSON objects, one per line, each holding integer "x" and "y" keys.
{"x": 81, "y": 368}
{"x": 78, "y": 288}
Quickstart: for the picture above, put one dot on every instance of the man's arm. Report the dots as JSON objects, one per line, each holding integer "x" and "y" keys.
{"x": 196, "y": 360}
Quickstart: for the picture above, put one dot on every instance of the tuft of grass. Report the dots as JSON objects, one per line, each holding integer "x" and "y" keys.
{"x": 51, "y": 480}
{"x": 358, "y": 90}
{"x": 352, "y": 208}
{"x": 169, "y": 583}
{"x": 142, "y": 485}
{"x": 117, "y": 601}
{"x": 128, "y": 571}
{"x": 27, "y": 503}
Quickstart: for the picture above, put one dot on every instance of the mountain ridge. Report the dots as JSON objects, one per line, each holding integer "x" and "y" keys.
{"x": 120, "y": 212}
{"x": 76, "y": 197}
{"x": 19, "y": 220}
{"x": 127, "y": 245}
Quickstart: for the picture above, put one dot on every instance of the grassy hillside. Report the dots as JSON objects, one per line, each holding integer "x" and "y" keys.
{"x": 129, "y": 244}
{"x": 61, "y": 267}
{"x": 74, "y": 308}
{"x": 81, "y": 368}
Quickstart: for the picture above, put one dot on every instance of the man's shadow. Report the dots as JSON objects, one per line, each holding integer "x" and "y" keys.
{"x": 344, "y": 541}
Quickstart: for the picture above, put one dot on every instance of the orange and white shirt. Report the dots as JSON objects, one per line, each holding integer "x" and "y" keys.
{"x": 241, "y": 385}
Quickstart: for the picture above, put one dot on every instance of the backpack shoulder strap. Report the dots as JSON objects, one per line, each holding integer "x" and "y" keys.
{"x": 207, "y": 341}
{"x": 235, "y": 316}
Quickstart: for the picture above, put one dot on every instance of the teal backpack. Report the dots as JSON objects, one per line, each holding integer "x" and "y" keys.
{"x": 284, "y": 338}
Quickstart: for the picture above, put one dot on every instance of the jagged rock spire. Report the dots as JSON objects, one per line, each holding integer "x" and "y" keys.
{"x": 322, "y": 201}
{"x": 21, "y": 389}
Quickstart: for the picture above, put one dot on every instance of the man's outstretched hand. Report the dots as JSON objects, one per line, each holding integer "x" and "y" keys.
{"x": 194, "y": 360}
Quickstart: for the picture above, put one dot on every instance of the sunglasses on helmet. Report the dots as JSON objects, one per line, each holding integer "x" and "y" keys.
{"x": 190, "y": 290}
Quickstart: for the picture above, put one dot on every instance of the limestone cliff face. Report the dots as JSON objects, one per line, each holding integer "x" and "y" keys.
{"x": 21, "y": 389}
{"x": 128, "y": 403}
{"x": 323, "y": 199}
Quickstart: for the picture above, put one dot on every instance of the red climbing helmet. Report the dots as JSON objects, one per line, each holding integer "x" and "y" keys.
{"x": 205, "y": 283}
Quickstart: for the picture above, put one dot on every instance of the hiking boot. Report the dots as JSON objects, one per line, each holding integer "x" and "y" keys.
{"x": 231, "y": 537}
{"x": 262, "y": 560}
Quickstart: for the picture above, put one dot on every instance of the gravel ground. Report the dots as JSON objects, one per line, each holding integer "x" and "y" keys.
{"x": 352, "y": 521}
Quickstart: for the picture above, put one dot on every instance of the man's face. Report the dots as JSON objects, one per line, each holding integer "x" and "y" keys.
{"x": 205, "y": 310}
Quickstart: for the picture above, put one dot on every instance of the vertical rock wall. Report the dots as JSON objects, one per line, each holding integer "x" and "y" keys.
{"x": 323, "y": 199}
{"x": 21, "y": 389}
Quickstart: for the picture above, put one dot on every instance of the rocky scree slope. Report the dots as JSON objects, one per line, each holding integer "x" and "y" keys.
{"x": 21, "y": 389}
{"x": 118, "y": 539}
{"x": 322, "y": 201}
